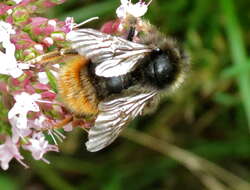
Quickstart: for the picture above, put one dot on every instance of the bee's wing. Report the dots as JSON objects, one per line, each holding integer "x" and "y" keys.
{"x": 114, "y": 55}
{"x": 114, "y": 115}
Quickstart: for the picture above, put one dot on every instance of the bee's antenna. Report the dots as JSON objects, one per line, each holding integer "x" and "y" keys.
{"x": 86, "y": 21}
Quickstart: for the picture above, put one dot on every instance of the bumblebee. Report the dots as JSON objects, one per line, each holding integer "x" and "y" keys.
{"x": 117, "y": 79}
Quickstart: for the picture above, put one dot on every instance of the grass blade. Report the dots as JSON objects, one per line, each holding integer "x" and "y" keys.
{"x": 238, "y": 52}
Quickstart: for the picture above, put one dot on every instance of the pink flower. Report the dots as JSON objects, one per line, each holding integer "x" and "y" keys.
{"x": 4, "y": 8}
{"x": 38, "y": 146}
{"x": 68, "y": 127}
{"x": 27, "y": 92}
{"x": 9, "y": 150}
{"x": 22, "y": 40}
{"x": 111, "y": 27}
{"x": 48, "y": 41}
{"x": 17, "y": 133}
{"x": 69, "y": 24}
{"x": 48, "y": 95}
{"x": 40, "y": 26}
{"x": 42, "y": 122}
{"x": 20, "y": 15}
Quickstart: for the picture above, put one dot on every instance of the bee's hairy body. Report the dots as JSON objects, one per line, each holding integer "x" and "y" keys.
{"x": 115, "y": 80}
{"x": 81, "y": 90}
{"x": 75, "y": 88}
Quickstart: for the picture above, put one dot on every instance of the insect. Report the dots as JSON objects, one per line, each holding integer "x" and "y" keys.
{"x": 117, "y": 79}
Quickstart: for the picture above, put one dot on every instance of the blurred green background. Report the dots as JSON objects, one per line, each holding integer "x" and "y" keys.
{"x": 197, "y": 139}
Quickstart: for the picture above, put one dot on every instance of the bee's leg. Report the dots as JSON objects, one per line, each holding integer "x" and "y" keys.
{"x": 60, "y": 124}
{"x": 131, "y": 33}
{"x": 43, "y": 57}
{"x": 50, "y": 55}
{"x": 67, "y": 51}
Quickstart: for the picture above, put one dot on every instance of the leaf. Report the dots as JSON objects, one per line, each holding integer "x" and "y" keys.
{"x": 7, "y": 183}
{"x": 52, "y": 81}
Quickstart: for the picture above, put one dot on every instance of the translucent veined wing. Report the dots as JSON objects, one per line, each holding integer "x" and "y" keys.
{"x": 114, "y": 55}
{"x": 114, "y": 115}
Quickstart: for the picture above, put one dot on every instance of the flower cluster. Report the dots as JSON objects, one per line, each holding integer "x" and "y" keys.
{"x": 28, "y": 89}
{"x": 127, "y": 13}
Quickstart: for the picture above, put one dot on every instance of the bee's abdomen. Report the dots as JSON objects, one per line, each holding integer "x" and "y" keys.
{"x": 75, "y": 88}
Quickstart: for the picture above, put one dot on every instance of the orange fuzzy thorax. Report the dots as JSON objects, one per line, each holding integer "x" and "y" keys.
{"x": 75, "y": 88}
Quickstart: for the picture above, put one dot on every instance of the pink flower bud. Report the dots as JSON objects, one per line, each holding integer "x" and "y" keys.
{"x": 48, "y": 41}
{"x": 48, "y": 95}
{"x": 52, "y": 23}
{"x": 41, "y": 86}
{"x": 4, "y": 8}
{"x": 39, "y": 48}
{"x": 20, "y": 16}
{"x": 111, "y": 27}
{"x": 22, "y": 40}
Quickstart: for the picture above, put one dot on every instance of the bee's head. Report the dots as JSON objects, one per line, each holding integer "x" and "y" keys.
{"x": 161, "y": 68}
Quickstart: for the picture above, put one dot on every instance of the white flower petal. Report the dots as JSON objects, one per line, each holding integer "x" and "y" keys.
{"x": 138, "y": 10}
{"x": 121, "y": 12}
{"x": 39, "y": 146}
{"x": 43, "y": 78}
{"x": 128, "y": 8}
{"x": 24, "y": 103}
{"x": 8, "y": 151}
{"x": 9, "y": 65}
{"x": 6, "y": 28}
{"x": 68, "y": 127}
{"x": 18, "y": 1}
{"x": 52, "y": 23}
{"x": 38, "y": 47}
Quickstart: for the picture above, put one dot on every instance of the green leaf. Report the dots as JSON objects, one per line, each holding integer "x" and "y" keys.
{"x": 52, "y": 81}
{"x": 7, "y": 183}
